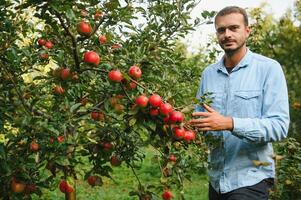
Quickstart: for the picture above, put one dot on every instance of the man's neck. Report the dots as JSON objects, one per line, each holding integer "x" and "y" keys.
{"x": 231, "y": 60}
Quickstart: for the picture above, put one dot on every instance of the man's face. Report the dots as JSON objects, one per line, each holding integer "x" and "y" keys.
{"x": 231, "y": 32}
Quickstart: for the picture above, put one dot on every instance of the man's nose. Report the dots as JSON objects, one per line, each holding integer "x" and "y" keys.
{"x": 227, "y": 33}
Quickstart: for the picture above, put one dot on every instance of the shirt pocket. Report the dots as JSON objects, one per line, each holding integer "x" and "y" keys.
{"x": 247, "y": 103}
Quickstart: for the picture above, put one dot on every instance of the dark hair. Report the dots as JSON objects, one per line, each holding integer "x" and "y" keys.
{"x": 233, "y": 9}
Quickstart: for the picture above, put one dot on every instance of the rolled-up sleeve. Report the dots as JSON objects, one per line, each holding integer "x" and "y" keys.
{"x": 274, "y": 122}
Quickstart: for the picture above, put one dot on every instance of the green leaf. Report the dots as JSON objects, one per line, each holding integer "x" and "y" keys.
{"x": 152, "y": 125}
{"x": 132, "y": 121}
{"x": 70, "y": 14}
{"x": 74, "y": 107}
{"x": 112, "y": 5}
{"x": 92, "y": 140}
{"x": 133, "y": 193}
{"x": 62, "y": 161}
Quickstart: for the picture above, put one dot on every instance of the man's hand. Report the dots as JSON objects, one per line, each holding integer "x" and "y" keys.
{"x": 211, "y": 120}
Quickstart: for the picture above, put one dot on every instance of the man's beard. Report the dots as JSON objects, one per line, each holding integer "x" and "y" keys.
{"x": 231, "y": 52}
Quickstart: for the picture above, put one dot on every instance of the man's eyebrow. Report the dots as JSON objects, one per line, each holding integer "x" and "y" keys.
{"x": 230, "y": 26}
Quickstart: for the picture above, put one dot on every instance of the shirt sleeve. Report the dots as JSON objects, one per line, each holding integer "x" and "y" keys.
{"x": 274, "y": 123}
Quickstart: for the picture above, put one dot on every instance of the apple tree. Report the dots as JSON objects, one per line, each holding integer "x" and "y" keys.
{"x": 90, "y": 83}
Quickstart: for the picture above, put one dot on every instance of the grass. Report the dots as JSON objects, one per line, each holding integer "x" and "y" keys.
{"x": 125, "y": 181}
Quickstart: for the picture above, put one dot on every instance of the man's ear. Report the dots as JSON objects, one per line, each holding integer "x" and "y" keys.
{"x": 248, "y": 30}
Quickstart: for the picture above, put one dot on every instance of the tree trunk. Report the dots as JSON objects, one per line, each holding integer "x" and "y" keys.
{"x": 71, "y": 196}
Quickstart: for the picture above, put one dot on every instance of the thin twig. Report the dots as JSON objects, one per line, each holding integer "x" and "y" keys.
{"x": 127, "y": 95}
{"x": 134, "y": 172}
{"x": 133, "y": 80}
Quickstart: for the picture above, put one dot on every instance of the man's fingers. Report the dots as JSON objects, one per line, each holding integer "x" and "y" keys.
{"x": 202, "y": 125}
{"x": 208, "y": 108}
{"x": 199, "y": 120}
{"x": 200, "y": 114}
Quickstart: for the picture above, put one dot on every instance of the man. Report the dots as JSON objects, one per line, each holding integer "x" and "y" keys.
{"x": 249, "y": 110}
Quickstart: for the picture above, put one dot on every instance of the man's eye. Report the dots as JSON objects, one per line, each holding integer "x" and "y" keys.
{"x": 221, "y": 30}
{"x": 233, "y": 28}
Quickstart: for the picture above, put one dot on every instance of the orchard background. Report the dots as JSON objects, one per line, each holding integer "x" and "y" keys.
{"x": 95, "y": 95}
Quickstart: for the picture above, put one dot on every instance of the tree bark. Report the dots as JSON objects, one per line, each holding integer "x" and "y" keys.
{"x": 71, "y": 196}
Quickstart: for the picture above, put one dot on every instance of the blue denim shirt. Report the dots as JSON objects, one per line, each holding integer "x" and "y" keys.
{"x": 255, "y": 95}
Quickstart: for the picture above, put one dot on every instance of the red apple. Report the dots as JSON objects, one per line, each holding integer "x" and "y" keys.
{"x": 107, "y": 146}
{"x": 41, "y": 41}
{"x": 179, "y": 133}
{"x": 16, "y": 186}
{"x": 135, "y": 72}
{"x": 65, "y": 73}
{"x": 34, "y": 146}
{"x": 165, "y": 108}
{"x": 189, "y": 136}
{"x": 65, "y": 187}
{"x": 59, "y": 90}
{"x": 48, "y": 44}
{"x": 115, "y": 76}
{"x": 167, "y": 194}
{"x": 84, "y": 28}
{"x": 172, "y": 158}
{"x": 155, "y": 100}
{"x": 115, "y": 161}
{"x": 91, "y": 57}
{"x": 102, "y": 39}
{"x": 44, "y": 56}
{"x": 115, "y": 46}
{"x": 132, "y": 85}
{"x": 154, "y": 112}
{"x": 141, "y": 101}
{"x": 113, "y": 100}
{"x": 176, "y": 116}
{"x": 94, "y": 180}
{"x": 118, "y": 108}
{"x": 97, "y": 116}
{"x": 98, "y": 15}
{"x": 60, "y": 139}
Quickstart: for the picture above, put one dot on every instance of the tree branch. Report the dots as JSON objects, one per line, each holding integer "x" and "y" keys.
{"x": 73, "y": 39}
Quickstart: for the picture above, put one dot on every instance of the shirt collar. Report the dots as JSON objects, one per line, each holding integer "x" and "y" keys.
{"x": 245, "y": 61}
